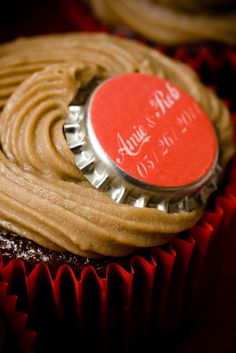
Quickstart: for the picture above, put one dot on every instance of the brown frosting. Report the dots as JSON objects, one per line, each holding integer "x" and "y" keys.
{"x": 172, "y": 22}
{"x": 44, "y": 197}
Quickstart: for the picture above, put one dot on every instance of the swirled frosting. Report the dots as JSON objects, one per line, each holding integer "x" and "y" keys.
{"x": 44, "y": 197}
{"x": 172, "y": 22}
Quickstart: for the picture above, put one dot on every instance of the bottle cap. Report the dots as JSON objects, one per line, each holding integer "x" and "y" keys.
{"x": 145, "y": 142}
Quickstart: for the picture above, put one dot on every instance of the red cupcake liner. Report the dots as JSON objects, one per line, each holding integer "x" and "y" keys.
{"x": 14, "y": 335}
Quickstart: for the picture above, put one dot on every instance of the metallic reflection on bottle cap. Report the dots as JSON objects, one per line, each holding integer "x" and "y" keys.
{"x": 145, "y": 142}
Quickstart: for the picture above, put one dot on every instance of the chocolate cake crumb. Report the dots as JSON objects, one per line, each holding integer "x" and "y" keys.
{"x": 12, "y": 246}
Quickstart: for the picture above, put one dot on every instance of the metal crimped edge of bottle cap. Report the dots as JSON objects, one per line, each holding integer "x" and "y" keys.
{"x": 104, "y": 175}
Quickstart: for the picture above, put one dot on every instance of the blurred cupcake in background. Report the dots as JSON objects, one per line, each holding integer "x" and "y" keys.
{"x": 170, "y": 22}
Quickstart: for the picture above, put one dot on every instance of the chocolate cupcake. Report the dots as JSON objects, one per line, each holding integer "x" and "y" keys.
{"x": 49, "y": 201}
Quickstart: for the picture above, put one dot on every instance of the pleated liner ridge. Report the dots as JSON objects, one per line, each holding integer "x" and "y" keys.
{"x": 14, "y": 334}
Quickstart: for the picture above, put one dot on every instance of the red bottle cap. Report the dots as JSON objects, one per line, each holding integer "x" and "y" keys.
{"x": 145, "y": 141}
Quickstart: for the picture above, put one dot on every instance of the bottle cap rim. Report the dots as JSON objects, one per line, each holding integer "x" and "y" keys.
{"x": 113, "y": 131}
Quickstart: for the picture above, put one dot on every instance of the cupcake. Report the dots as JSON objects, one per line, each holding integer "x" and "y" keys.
{"x": 101, "y": 239}
{"x": 171, "y": 23}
